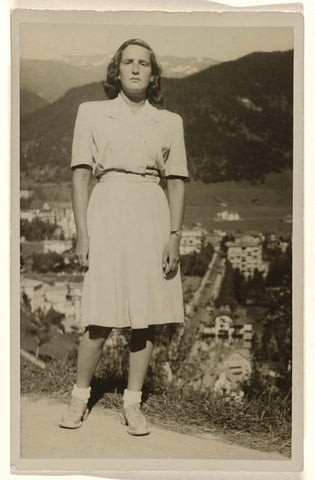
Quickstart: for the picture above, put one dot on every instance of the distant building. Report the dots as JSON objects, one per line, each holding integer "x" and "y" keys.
{"x": 29, "y": 215}
{"x": 245, "y": 254}
{"x": 26, "y": 194}
{"x": 62, "y": 297}
{"x": 225, "y": 369}
{"x": 34, "y": 290}
{"x": 227, "y": 216}
{"x": 192, "y": 240}
{"x": 226, "y": 329}
{"x": 56, "y": 213}
{"x": 215, "y": 237}
{"x": 249, "y": 104}
{"x": 58, "y": 246}
{"x": 238, "y": 364}
{"x": 62, "y": 214}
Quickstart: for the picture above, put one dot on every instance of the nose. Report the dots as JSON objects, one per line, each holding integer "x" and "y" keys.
{"x": 135, "y": 67}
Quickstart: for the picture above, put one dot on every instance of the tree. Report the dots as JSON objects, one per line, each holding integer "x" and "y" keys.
{"x": 36, "y": 229}
{"x": 276, "y": 341}
{"x": 48, "y": 262}
{"x": 55, "y": 318}
{"x": 239, "y": 286}
{"x": 226, "y": 295}
{"x": 280, "y": 269}
{"x": 197, "y": 263}
{"x": 256, "y": 287}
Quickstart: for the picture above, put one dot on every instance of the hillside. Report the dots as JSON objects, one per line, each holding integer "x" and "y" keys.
{"x": 29, "y": 102}
{"x": 238, "y": 121}
{"x": 50, "y": 79}
{"x": 238, "y": 117}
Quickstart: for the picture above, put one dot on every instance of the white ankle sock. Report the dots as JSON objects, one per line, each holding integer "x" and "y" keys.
{"x": 131, "y": 398}
{"x": 81, "y": 393}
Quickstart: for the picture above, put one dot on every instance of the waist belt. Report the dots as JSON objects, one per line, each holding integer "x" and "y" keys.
{"x": 151, "y": 171}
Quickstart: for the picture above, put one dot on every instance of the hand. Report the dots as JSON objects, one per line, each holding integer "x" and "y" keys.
{"x": 170, "y": 258}
{"x": 82, "y": 251}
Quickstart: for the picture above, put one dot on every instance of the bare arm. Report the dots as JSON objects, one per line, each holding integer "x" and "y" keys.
{"x": 176, "y": 193}
{"x": 80, "y": 197}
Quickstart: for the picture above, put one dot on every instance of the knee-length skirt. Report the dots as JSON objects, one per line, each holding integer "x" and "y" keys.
{"x": 128, "y": 222}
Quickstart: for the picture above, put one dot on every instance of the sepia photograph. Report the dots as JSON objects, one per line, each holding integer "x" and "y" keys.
{"x": 155, "y": 170}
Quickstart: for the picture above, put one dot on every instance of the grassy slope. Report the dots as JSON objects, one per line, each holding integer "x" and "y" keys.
{"x": 275, "y": 197}
{"x": 262, "y": 424}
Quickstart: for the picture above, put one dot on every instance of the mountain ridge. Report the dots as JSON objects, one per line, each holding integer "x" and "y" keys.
{"x": 234, "y": 129}
{"x": 50, "y": 79}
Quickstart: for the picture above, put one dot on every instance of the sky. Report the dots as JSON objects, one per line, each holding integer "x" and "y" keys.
{"x": 52, "y": 40}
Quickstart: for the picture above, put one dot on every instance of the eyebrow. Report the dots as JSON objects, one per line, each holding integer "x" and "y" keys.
{"x": 139, "y": 59}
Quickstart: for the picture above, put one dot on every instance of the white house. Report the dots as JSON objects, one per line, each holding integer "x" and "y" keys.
{"x": 58, "y": 246}
{"x": 246, "y": 254}
{"x": 238, "y": 364}
{"x": 227, "y": 216}
{"x": 34, "y": 289}
{"x": 192, "y": 240}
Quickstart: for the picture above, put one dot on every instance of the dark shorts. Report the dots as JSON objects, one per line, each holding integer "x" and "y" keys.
{"x": 139, "y": 336}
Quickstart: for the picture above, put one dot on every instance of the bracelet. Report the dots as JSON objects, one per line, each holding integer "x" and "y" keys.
{"x": 178, "y": 233}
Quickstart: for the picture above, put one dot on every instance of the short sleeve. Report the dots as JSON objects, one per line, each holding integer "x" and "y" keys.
{"x": 82, "y": 144}
{"x": 176, "y": 163}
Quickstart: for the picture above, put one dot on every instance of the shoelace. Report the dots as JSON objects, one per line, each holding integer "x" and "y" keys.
{"x": 135, "y": 410}
{"x": 76, "y": 408}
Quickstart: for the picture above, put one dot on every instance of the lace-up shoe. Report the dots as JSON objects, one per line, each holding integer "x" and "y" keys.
{"x": 77, "y": 412}
{"x": 135, "y": 420}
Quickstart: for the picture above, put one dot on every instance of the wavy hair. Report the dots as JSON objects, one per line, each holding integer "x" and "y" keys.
{"x": 112, "y": 85}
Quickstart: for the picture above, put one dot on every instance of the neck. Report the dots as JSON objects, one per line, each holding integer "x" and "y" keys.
{"x": 133, "y": 100}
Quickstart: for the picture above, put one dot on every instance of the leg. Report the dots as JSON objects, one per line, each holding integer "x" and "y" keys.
{"x": 90, "y": 350}
{"x": 141, "y": 347}
{"x": 89, "y": 353}
{"x": 140, "y": 353}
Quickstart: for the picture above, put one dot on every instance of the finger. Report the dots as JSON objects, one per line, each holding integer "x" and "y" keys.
{"x": 85, "y": 261}
{"x": 164, "y": 259}
{"x": 82, "y": 261}
{"x": 168, "y": 268}
{"x": 174, "y": 265}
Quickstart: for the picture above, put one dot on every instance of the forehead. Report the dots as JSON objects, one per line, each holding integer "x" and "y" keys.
{"x": 136, "y": 52}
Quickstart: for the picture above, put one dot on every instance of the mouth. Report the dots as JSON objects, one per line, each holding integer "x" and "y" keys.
{"x": 135, "y": 79}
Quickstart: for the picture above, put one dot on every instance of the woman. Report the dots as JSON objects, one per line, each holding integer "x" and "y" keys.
{"x": 127, "y": 234}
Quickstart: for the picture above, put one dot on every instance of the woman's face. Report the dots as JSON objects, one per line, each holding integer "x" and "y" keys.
{"x": 135, "y": 72}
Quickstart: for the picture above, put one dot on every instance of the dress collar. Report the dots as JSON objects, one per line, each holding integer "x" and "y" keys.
{"x": 118, "y": 109}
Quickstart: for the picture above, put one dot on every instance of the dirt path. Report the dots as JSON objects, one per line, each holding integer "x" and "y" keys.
{"x": 102, "y": 436}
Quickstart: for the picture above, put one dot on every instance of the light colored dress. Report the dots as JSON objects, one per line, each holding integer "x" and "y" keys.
{"x": 128, "y": 216}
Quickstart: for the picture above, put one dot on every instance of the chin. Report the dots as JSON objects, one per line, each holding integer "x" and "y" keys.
{"x": 136, "y": 91}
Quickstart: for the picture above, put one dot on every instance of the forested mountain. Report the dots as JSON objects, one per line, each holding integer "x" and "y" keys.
{"x": 238, "y": 119}
{"x": 29, "y": 102}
